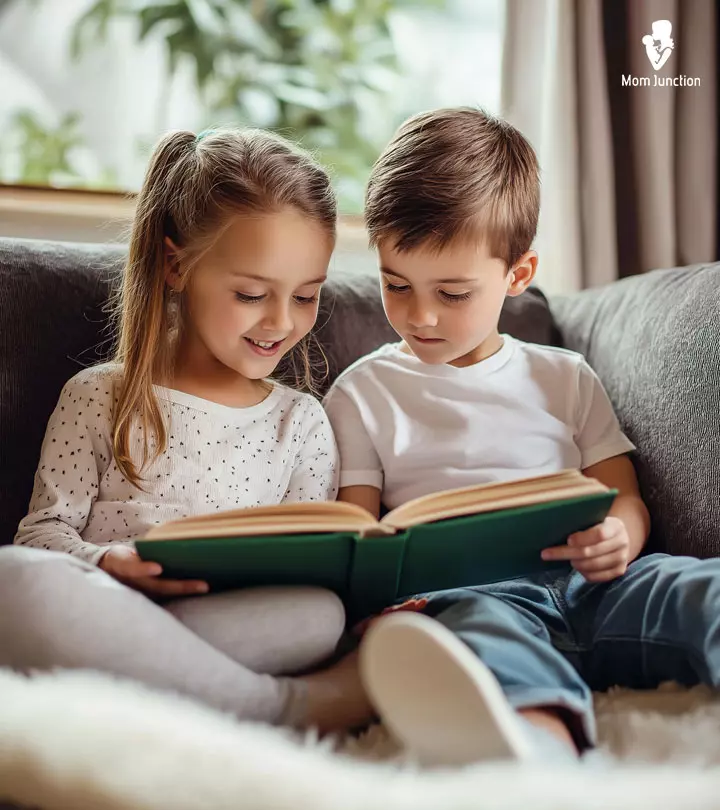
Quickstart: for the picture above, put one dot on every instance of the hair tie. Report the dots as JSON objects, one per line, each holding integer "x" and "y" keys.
{"x": 203, "y": 134}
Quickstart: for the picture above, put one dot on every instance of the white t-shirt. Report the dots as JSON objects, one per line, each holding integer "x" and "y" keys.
{"x": 217, "y": 457}
{"x": 410, "y": 428}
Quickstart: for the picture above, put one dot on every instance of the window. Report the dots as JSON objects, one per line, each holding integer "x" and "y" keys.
{"x": 88, "y": 85}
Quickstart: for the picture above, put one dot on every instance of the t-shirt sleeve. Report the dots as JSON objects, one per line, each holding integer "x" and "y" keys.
{"x": 597, "y": 434}
{"x": 315, "y": 472}
{"x": 359, "y": 461}
{"x": 67, "y": 478}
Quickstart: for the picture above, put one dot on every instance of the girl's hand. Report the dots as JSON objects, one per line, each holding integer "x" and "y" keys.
{"x": 600, "y": 554}
{"x": 125, "y": 565}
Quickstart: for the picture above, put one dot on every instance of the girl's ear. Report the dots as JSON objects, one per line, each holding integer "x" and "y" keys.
{"x": 522, "y": 273}
{"x": 173, "y": 276}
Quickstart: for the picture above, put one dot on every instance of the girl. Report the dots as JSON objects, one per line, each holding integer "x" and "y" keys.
{"x": 230, "y": 247}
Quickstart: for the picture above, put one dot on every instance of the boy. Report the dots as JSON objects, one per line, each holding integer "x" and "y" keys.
{"x": 499, "y": 670}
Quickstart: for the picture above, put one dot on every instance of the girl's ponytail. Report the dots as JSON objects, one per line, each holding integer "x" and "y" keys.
{"x": 143, "y": 314}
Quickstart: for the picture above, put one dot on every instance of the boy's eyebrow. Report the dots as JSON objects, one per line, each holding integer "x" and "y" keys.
{"x": 255, "y": 277}
{"x": 389, "y": 272}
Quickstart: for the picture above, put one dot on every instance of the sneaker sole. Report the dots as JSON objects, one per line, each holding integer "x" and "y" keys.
{"x": 435, "y": 696}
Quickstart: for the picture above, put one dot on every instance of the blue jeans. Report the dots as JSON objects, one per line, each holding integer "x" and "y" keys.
{"x": 552, "y": 639}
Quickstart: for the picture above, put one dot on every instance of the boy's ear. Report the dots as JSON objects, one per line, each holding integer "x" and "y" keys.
{"x": 522, "y": 273}
{"x": 173, "y": 276}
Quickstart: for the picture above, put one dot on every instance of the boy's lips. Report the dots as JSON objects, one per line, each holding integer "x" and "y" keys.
{"x": 427, "y": 340}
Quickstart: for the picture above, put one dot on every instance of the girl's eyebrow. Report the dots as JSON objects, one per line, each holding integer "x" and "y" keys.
{"x": 389, "y": 272}
{"x": 255, "y": 277}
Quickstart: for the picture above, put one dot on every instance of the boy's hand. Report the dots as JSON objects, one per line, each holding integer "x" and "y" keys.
{"x": 600, "y": 554}
{"x": 125, "y": 565}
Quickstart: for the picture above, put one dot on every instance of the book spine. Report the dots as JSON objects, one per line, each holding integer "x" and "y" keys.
{"x": 374, "y": 574}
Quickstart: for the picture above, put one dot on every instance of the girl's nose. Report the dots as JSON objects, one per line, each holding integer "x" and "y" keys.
{"x": 278, "y": 320}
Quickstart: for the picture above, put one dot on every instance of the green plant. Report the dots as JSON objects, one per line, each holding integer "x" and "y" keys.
{"x": 45, "y": 152}
{"x": 321, "y": 71}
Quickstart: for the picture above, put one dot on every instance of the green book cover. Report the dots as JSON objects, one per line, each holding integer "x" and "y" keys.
{"x": 369, "y": 573}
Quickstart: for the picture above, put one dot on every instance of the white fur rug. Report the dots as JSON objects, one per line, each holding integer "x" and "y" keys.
{"x": 82, "y": 741}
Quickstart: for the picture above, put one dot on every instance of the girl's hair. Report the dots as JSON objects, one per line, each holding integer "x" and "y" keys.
{"x": 193, "y": 187}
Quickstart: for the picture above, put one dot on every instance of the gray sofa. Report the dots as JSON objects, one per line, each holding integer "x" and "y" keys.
{"x": 654, "y": 340}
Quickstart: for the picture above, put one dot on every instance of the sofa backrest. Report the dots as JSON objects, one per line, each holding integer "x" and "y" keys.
{"x": 654, "y": 340}
{"x": 54, "y": 321}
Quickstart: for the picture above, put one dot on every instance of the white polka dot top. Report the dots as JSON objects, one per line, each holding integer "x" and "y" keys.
{"x": 217, "y": 457}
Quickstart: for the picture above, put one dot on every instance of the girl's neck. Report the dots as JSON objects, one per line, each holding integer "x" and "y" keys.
{"x": 242, "y": 393}
{"x": 215, "y": 382}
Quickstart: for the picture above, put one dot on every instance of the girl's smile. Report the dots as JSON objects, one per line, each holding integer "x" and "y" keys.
{"x": 264, "y": 348}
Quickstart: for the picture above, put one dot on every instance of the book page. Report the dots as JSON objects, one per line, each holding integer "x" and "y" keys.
{"x": 286, "y": 518}
{"x": 493, "y": 497}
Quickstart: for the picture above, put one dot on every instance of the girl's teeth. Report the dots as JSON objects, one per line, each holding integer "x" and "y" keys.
{"x": 262, "y": 344}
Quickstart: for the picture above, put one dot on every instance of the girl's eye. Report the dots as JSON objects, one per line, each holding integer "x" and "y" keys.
{"x": 249, "y": 299}
{"x": 457, "y": 297}
{"x": 301, "y": 299}
{"x": 393, "y": 288}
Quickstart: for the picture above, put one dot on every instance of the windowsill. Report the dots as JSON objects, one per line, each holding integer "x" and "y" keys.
{"x": 69, "y": 215}
{"x": 78, "y": 215}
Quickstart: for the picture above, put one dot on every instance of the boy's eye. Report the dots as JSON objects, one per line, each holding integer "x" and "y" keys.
{"x": 456, "y": 297}
{"x": 393, "y": 288}
{"x": 249, "y": 299}
{"x": 302, "y": 299}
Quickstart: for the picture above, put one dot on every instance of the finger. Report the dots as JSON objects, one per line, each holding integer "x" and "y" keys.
{"x": 134, "y": 569}
{"x": 598, "y": 564}
{"x": 171, "y": 587}
{"x": 583, "y": 552}
{"x": 590, "y": 537}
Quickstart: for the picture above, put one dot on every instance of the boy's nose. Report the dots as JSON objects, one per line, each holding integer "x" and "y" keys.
{"x": 420, "y": 317}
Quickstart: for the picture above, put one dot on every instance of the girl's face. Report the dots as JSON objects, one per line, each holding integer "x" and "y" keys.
{"x": 253, "y": 295}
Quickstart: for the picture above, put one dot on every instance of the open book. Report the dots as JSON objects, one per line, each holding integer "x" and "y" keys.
{"x": 448, "y": 539}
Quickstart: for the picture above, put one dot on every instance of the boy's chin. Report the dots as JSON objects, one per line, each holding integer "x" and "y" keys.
{"x": 434, "y": 355}
{"x": 445, "y": 354}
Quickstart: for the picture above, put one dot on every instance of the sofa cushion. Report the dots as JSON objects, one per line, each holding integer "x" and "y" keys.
{"x": 654, "y": 340}
{"x": 53, "y": 323}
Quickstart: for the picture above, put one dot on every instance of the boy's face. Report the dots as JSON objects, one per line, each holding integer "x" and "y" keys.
{"x": 446, "y": 305}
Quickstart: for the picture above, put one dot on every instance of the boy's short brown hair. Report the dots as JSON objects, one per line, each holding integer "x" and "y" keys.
{"x": 453, "y": 174}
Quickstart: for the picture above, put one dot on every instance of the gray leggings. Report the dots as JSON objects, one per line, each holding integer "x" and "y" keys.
{"x": 223, "y": 649}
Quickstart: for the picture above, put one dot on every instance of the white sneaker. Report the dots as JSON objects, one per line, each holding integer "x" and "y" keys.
{"x": 435, "y": 696}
